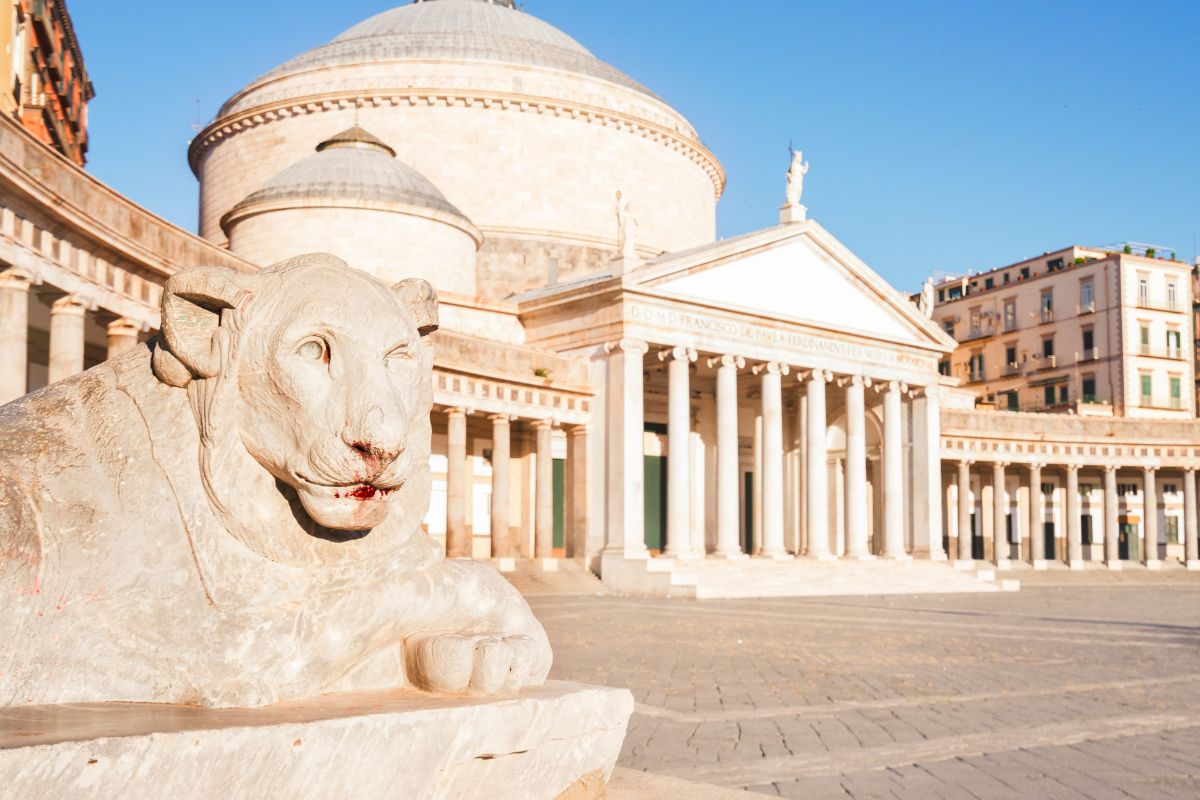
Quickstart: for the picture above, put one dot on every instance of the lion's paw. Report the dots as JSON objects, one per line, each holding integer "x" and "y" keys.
{"x": 478, "y": 664}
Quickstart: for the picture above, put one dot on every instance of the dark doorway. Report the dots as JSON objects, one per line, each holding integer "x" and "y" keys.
{"x": 748, "y": 535}
{"x": 656, "y": 502}
{"x": 1048, "y": 533}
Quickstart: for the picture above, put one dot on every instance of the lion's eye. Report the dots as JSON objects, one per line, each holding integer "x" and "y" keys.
{"x": 402, "y": 351}
{"x": 313, "y": 350}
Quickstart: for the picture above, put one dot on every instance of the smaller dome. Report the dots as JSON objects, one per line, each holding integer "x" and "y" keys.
{"x": 353, "y": 165}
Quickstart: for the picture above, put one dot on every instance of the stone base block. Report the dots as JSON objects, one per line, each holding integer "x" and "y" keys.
{"x": 1193, "y": 566}
{"x": 1002, "y": 563}
{"x": 871, "y": 557}
{"x": 1040, "y": 565}
{"x": 1075, "y": 564}
{"x": 738, "y": 556}
{"x": 790, "y": 213}
{"x": 548, "y": 564}
{"x": 1010, "y": 585}
{"x": 1154, "y": 566}
{"x": 776, "y": 556}
{"x": 505, "y": 564}
{"x": 1114, "y": 566}
{"x": 558, "y": 739}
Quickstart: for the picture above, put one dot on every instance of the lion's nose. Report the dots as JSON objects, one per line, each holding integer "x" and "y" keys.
{"x": 377, "y": 437}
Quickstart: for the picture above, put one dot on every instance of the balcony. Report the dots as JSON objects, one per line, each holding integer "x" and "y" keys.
{"x": 1012, "y": 369}
{"x": 1040, "y": 363}
{"x": 1086, "y": 308}
{"x": 1047, "y": 315}
{"x": 1155, "y": 304}
{"x": 1169, "y": 353}
{"x": 1161, "y": 403}
{"x": 1090, "y": 354}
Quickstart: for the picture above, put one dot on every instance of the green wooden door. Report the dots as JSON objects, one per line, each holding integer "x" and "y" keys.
{"x": 655, "y": 474}
{"x": 748, "y": 536}
{"x": 1127, "y": 542}
{"x": 560, "y": 503}
{"x": 1048, "y": 533}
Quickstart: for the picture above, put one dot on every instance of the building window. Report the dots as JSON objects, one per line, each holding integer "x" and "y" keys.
{"x": 1013, "y": 401}
{"x": 1010, "y": 356}
{"x": 1064, "y": 394}
{"x": 1147, "y": 389}
{"x": 1087, "y": 301}
{"x": 989, "y": 283}
{"x": 948, "y": 326}
{"x": 941, "y": 295}
{"x": 1054, "y": 265}
{"x": 975, "y": 317}
{"x": 1047, "y": 488}
{"x": 1089, "y": 344}
{"x": 1174, "y": 344}
{"x": 1171, "y": 529}
{"x": 1127, "y": 489}
{"x": 955, "y": 292}
{"x": 1176, "y": 392}
{"x": 1145, "y": 339}
{"x": 1048, "y": 396}
{"x": 1007, "y": 276}
{"x": 1089, "y": 389}
{"x": 1047, "y": 305}
{"x": 1170, "y": 488}
{"x": 944, "y": 368}
{"x": 1010, "y": 315}
{"x": 1048, "y": 348}
{"x": 976, "y": 366}
{"x": 1172, "y": 296}
{"x": 1024, "y": 273}
{"x": 1143, "y": 291}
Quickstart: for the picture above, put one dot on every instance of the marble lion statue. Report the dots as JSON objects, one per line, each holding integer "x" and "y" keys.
{"x": 230, "y": 514}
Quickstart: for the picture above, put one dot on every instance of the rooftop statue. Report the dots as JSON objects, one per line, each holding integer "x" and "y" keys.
{"x": 627, "y": 230}
{"x": 230, "y": 514}
{"x": 925, "y": 301}
{"x": 795, "y": 177}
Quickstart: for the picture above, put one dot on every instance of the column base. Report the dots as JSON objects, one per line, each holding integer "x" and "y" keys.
{"x": 1154, "y": 566}
{"x": 1075, "y": 564}
{"x": 897, "y": 557}
{"x": 776, "y": 556}
{"x": 1002, "y": 563}
{"x": 734, "y": 556}
{"x": 1114, "y": 566}
{"x": 938, "y": 557}
{"x": 1040, "y": 564}
{"x": 1192, "y": 566}
{"x": 962, "y": 564}
{"x": 860, "y": 557}
{"x": 505, "y": 564}
{"x": 821, "y": 557}
{"x": 684, "y": 556}
{"x": 789, "y": 213}
{"x": 548, "y": 564}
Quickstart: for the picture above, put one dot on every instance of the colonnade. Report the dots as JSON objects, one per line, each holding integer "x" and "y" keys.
{"x": 68, "y": 314}
{"x": 774, "y": 481}
{"x": 998, "y": 549}
{"x": 504, "y": 538}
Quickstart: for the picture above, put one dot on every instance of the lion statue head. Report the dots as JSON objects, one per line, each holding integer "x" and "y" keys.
{"x": 310, "y": 383}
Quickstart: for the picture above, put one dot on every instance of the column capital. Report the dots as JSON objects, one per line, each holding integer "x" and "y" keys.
{"x": 966, "y": 463}
{"x": 578, "y": 430}
{"x": 16, "y": 277}
{"x": 124, "y": 327}
{"x": 457, "y": 411}
{"x": 1111, "y": 467}
{"x": 1038, "y": 465}
{"x": 1001, "y": 464}
{"x": 727, "y": 360}
{"x": 771, "y": 367}
{"x": 854, "y": 380}
{"x": 505, "y": 418}
{"x": 1187, "y": 469}
{"x": 543, "y": 424}
{"x": 1150, "y": 469}
{"x": 631, "y": 346}
{"x": 677, "y": 354}
{"x": 70, "y": 304}
{"x": 883, "y": 387}
{"x": 811, "y": 375}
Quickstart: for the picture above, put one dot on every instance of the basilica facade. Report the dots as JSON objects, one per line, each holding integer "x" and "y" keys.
{"x": 612, "y": 384}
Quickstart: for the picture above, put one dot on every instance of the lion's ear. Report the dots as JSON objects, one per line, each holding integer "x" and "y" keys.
{"x": 420, "y": 298}
{"x": 192, "y": 303}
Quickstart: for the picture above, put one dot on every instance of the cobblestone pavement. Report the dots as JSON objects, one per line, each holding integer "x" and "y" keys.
{"x": 1057, "y": 692}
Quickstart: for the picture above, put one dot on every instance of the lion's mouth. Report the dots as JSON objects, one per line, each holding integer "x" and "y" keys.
{"x": 355, "y": 491}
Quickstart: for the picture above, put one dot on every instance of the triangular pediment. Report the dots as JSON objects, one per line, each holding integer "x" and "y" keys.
{"x": 797, "y": 272}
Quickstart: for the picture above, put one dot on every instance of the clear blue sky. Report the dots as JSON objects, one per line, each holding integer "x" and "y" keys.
{"x": 942, "y": 135}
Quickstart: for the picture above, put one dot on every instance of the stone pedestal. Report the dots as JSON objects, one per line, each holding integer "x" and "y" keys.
{"x": 548, "y": 741}
{"x": 790, "y": 213}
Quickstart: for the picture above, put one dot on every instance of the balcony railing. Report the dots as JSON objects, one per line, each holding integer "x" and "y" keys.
{"x": 1012, "y": 369}
{"x": 1161, "y": 403}
{"x": 1047, "y": 315}
{"x": 1172, "y": 353}
{"x": 1044, "y": 362}
{"x": 1086, "y": 308}
{"x": 1154, "y": 304}
{"x": 1090, "y": 354}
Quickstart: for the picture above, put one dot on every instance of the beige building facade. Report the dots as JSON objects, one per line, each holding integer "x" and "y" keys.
{"x": 1081, "y": 329}
{"x": 612, "y": 385}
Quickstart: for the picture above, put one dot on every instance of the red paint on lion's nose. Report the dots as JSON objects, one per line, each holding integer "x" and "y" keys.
{"x": 366, "y": 493}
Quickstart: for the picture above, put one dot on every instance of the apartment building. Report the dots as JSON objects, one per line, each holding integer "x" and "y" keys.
{"x": 1099, "y": 331}
{"x": 43, "y": 81}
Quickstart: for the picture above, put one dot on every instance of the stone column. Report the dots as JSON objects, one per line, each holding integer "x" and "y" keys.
{"x": 727, "y": 455}
{"x": 1112, "y": 528}
{"x": 66, "y": 337}
{"x": 818, "y": 477}
{"x": 857, "y": 545}
{"x": 928, "y": 499}
{"x": 1150, "y": 518}
{"x": 1074, "y": 524}
{"x": 625, "y": 472}
{"x": 543, "y": 515}
{"x": 14, "y": 333}
{"x": 965, "y": 534}
{"x": 122, "y": 336}
{"x": 679, "y": 450}
{"x": 1037, "y": 519}
{"x": 577, "y": 491}
{"x": 756, "y": 488}
{"x": 458, "y": 537}
{"x": 1191, "y": 557}
{"x": 772, "y": 458}
{"x": 893, "y": 471}
{"x": 1000, "y": 545}
{"x": 502, "y": 543}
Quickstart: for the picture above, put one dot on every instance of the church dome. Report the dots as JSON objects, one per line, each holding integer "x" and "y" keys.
{"x": 480, "y": 30}
{"x": 352, "y": 165}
